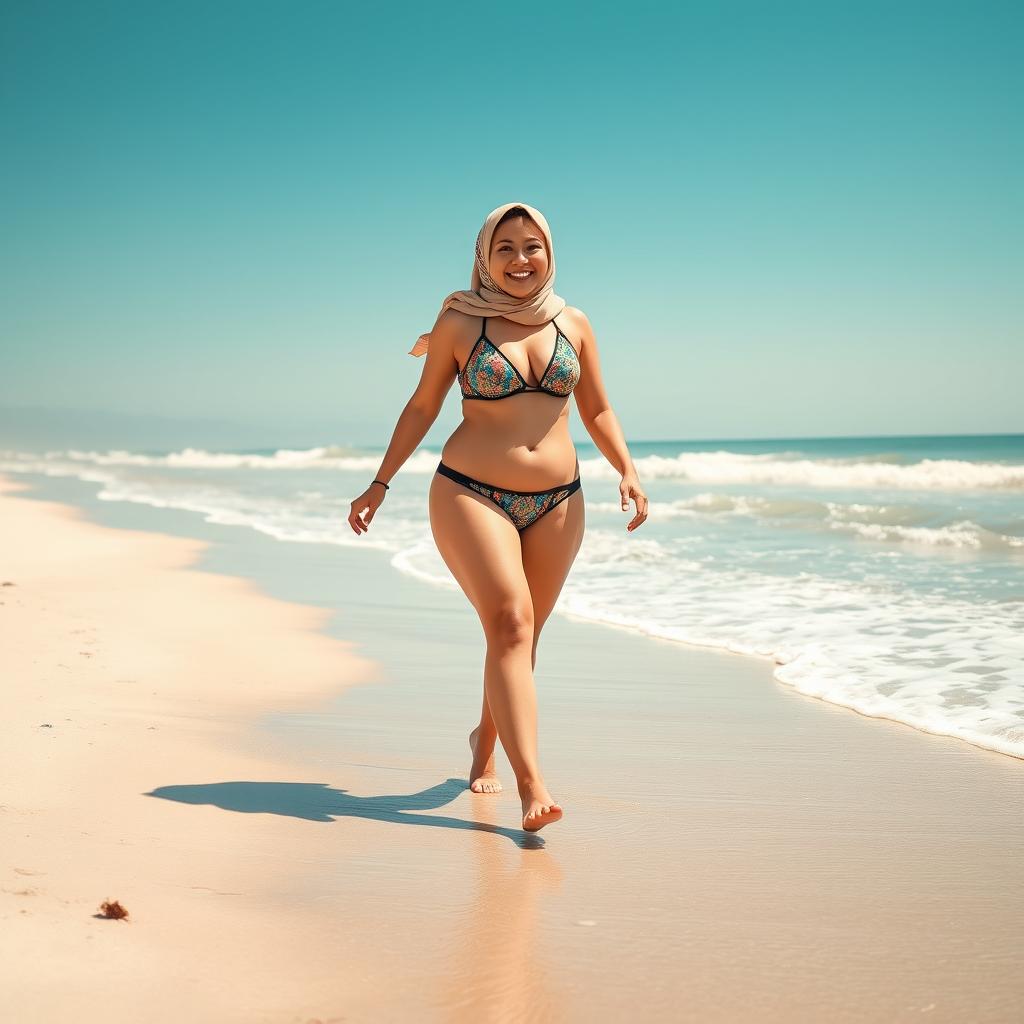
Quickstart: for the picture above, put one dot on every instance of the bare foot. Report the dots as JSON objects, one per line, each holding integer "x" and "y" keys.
{"x": 539, "y": 808}
{"x": 482, "y": 777}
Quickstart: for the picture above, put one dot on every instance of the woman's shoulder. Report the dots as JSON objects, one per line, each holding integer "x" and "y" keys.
{"x": 453, "y": 316}
{"x": 575, "y": 315}
{"x": 455, "y": 332}
{"x": 576, "y": 320}
{"x": 458, "y": 324}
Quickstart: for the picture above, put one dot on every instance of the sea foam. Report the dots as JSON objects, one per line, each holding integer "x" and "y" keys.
{"x": 701, "y": 468}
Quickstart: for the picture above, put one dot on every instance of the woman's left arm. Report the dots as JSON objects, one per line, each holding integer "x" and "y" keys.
{"x": 600, "y": 420}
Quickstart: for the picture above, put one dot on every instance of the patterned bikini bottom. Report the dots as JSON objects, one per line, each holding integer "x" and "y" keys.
{"x": 524, "y": 508}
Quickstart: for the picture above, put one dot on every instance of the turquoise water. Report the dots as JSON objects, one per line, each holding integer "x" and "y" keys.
{"x": 882, "y": 574}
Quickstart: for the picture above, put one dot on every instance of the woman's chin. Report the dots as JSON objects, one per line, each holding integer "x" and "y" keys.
{"x": 523, "y": 292}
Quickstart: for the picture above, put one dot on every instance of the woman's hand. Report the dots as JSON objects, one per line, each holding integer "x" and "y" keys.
{"x": 630, "y": 488}
{"x": 364, "y": 506}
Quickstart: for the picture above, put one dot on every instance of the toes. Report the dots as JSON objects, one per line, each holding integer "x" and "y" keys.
{"x": 485, "y": 786}
{"x": 539, "y": 816}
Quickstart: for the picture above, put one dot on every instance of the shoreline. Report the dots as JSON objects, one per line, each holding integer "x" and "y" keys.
{"x": 825, "y": 631}
{"x": 119, "y": 677}
{"x": 729, "y": 846}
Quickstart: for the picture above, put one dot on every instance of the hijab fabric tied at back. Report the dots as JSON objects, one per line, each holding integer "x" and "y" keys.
{"x": 487, "y": 298}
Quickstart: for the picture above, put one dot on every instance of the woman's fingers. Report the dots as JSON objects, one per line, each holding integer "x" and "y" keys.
{"x": 640, "y": 500}
{"x": 361, "y": 514}
{"x": 355, "y": 519}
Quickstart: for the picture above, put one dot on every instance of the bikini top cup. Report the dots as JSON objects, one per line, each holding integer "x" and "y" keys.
{"x": 488, "y": 373}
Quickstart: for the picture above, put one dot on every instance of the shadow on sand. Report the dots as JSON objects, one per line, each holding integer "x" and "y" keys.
{"x": 315, "y": 801}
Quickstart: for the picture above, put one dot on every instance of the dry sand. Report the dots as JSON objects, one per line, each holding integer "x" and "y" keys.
{"x": 731, "y": 850}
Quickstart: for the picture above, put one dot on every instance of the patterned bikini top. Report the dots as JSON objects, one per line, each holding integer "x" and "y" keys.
{"x": 489, "y": 374}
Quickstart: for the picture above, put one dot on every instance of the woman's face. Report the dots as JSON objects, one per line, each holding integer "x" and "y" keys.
{"x": 519, "y": 258}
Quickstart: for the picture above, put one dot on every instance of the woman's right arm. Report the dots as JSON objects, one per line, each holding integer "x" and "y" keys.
{"x": 439, "y": 370}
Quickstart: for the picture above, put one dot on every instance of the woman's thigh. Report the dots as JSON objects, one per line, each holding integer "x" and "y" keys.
{"x": 481, "y": 547}
{"x": 549, "y": 548}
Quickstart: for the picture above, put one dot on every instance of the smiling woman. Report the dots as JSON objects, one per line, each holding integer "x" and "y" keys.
{"x": 521, "y": 260}
{"x": 510, "y": 542}
{"x": 497, "y": 295}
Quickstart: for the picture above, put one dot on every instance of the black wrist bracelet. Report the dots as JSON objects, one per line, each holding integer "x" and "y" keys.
{"x": 387, "y": 487}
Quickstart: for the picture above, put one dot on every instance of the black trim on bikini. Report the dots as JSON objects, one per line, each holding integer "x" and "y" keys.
{"x": 525, "y": 389}
{"x": 565, "y": 338}
{"x": 554, "y": 352}
{"x": 461, "y": 478}
{"x": 558, "y": 501}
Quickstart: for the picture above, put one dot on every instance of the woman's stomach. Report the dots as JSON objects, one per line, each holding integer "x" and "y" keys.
{"x": 526, "y": 448}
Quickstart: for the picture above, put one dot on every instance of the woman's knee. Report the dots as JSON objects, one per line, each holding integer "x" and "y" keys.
{"x": 510, "y": 624}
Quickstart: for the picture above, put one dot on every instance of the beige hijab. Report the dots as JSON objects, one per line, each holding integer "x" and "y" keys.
{"x": 487, "y": 298}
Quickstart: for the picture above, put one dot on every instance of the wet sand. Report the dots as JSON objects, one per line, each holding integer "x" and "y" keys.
{"x": 278, "y": 796}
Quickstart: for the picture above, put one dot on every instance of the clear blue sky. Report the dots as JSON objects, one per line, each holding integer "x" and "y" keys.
{"x": 782, "y": 218}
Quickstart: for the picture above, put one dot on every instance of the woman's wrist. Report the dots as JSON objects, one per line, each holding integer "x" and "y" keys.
{"x": 387, "y": 487}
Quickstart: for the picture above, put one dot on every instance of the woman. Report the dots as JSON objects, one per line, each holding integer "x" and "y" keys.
{"x": 506, "y": 508}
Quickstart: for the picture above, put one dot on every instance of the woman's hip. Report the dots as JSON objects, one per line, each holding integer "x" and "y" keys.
{"x": 523, "y": 508}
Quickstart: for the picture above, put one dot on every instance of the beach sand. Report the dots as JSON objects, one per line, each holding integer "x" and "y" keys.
{"x": 269, "y": 772}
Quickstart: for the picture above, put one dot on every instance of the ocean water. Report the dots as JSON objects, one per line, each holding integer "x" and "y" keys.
{"x": 885, "y": 575}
